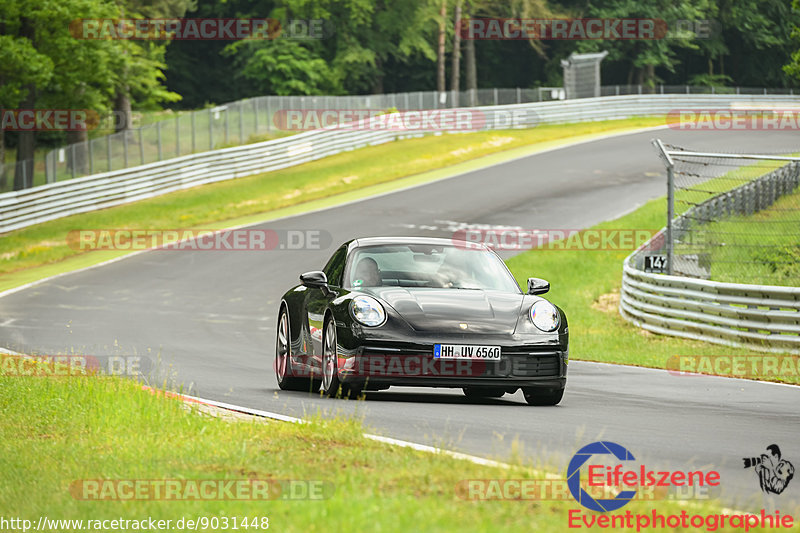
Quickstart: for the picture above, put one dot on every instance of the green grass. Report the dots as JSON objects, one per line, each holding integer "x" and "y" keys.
{"x": 56, "y": 431}
{"x": 265, "y": 193}
{"x": 586, "y": 284}
{"x": 762, "y": 248}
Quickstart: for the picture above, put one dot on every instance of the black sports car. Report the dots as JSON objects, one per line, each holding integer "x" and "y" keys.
{"x": 420, "y": 312}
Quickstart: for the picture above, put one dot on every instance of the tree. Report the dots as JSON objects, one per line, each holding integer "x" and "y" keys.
{"x": 793, "y": 67}
{"x": 350, "y": 60}
{"x": 455, "y": 80}
{"x": 45, "y": 66}
{"x": 21, "y": 67}
{"x": 521, "y": 9}
{"x": 440, "y": 49}
{"x": 141, "y": 63}
{"x": 64, "y": 71}
{"x": 643, "y": 56}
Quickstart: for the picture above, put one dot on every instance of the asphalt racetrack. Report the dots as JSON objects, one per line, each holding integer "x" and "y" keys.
{"x": 209, "y": 318}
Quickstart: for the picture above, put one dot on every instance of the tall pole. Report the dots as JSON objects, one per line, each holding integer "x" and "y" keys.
{"x": 670, "y": 214}
{"x": 440, "y": 87}
{"x": 455, "y": 75}
{"x": 670, "y": 164}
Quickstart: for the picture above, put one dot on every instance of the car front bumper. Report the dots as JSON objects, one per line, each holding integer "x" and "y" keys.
{"x": 381, "y": 364}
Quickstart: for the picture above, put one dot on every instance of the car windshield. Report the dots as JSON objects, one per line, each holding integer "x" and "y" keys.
{"x": 425, "y": 265}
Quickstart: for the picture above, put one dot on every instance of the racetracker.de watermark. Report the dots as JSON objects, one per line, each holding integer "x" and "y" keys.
{"x": 200, "y": 489}
{"x": 427, "y": 366}
{"x": 259, "y": 240}
{"x": 74, "y": 365}
{"x": 200, "y": 29}
{"x": 744, "y": 119}
{"x": 613, "y": 29}
{"x": 48, "y": 119}
{"x": 558, "y": 490}
{"x": 735, "y": 366}
{"x": 554, "y": 239}
{"x": 457, "y": 120}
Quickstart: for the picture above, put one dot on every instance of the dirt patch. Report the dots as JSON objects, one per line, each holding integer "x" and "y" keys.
{"x": 607, "y": 303}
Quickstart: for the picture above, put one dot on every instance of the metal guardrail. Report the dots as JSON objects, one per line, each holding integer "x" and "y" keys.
{"x": 759, "y": 317}
{"x": 23, "y": 208}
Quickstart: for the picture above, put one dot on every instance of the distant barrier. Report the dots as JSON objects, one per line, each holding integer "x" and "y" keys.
{"x": 23, "y": 208}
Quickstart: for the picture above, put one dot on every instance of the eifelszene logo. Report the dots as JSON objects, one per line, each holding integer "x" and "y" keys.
{"x": 617, "y": 476}
{"x": 774, "y": 473}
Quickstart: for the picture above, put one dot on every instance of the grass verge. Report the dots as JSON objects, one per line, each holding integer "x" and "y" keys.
{"x": 762, "y": 248}
{"x": 261, "y": 197}
{"x": 56, "y": 431}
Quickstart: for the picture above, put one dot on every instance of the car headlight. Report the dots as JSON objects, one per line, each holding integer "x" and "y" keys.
{"x": 544, "y": 315}
{"x": 367, "y": 311}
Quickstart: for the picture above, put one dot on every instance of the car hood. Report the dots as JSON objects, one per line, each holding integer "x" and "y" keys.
{"x": 443, "y": 310}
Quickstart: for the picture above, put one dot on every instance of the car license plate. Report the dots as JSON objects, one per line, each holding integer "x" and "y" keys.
{"x": 465, "y": 351}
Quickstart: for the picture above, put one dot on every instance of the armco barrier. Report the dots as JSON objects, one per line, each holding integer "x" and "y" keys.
{"x": 760, "y": 317}
{"x": 20, "y": 209}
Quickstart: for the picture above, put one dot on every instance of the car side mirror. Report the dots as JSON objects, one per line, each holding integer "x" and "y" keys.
{"x": 538, "y": 286}
{"x": 315, "y": 279}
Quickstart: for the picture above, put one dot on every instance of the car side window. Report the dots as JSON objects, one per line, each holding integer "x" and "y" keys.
{"x": 335, "y": 267}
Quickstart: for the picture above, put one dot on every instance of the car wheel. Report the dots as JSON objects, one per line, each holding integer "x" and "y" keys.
{"x": 537, "y": 396}
{"x": 331, "y": 385}
{"x": 475, "y": 393}
{"x": 283, "y": 361}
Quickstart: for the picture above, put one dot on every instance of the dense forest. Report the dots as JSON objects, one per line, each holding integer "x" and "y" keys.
{"x": 47, "y": 60}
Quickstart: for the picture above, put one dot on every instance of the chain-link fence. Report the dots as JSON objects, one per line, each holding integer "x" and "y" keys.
{"x": 257, "y": 119}
{"x": 736, "y": 218}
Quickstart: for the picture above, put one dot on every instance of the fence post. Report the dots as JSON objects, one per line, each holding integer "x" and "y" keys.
{"x": 108, "y": 151}
{"x": 269, "y": 116}
{"x": 141, "y": 146}
{"x": 210, "y": 130}
{"x": 158, "y": 138}
{"x": 72, "y": 159}
{"x": 227, "y": 109}
{"x": 241, "y": 123}
{"x": 177, "y": 135}
{"x": 194, "y": 148}
{"x": 670, "y": 201}
{"x": 125, "y": 146}
{"x": 495, "y": 96}
{"x": 91, "y": 160}
{"x": 255, "y": 113}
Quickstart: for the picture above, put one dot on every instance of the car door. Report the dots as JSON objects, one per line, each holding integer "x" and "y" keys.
{"x": 316, "y": 302}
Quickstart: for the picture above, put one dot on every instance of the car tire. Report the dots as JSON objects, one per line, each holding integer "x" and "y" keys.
{"x": 284, "y": 371}
{"x": 539, "y": 396}
{"x": 332, "y": 387}
{"x": 476, "y": 393}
